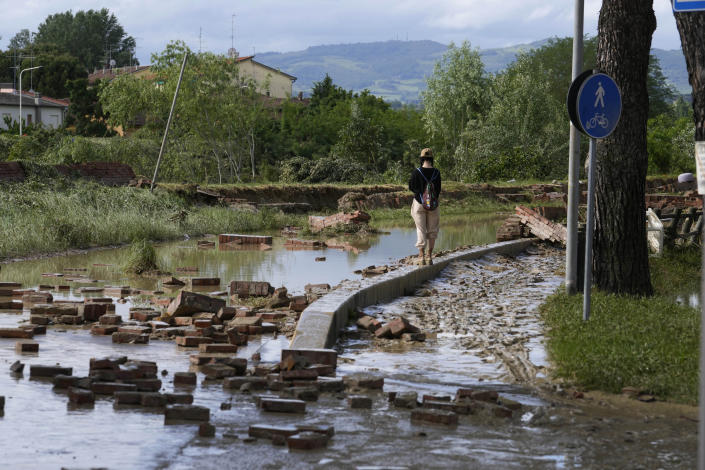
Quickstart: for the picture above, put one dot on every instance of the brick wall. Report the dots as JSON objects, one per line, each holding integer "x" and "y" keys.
{"x": 11, "y": 171}
{"x": 111, "y": 174}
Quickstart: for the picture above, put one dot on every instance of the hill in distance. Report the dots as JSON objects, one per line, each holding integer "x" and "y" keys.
{"x": 397, "y": 70}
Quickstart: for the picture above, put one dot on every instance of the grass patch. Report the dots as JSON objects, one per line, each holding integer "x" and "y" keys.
{"x": 141, "y": 258}
{"x": 39, "y": 217}
{"x": 648, "y": 343}
{"x": 472, "y": 204}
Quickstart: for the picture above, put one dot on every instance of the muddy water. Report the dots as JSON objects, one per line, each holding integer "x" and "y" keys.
{"x": 280, "y": 266}
{"x": 475, "y": 309}
{"x": 39, "y": 429}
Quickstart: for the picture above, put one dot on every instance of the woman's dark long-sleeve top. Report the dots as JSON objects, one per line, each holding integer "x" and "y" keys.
{"x": 417, "y": 184}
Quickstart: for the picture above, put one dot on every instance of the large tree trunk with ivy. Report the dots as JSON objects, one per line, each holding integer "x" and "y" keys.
{"x": 621, "y": 263}
{"x": 691, "y": 27}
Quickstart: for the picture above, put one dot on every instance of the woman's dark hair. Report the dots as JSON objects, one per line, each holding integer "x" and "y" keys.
{"x": 421, "y": 160}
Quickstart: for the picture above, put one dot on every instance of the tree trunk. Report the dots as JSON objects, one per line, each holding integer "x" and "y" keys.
{"x": 691, "y": 27}
{"x": 621, "y": 263}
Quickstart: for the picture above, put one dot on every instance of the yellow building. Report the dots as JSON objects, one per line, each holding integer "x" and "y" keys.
{"x": 270, "y": 81}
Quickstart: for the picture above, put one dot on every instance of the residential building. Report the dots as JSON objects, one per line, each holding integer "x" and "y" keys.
{"x": 270, "y": 81}
{"x": 36, "y": 109}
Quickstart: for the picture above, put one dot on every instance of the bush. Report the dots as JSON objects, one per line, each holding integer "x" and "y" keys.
{"x": 142, "y": 258}
{"x": 322, "y": 170}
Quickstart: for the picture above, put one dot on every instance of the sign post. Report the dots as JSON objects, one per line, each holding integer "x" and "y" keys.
{"x": 688, "y": 5}
{"x": 594, "y": 106}
{"x": 700, "y": 170}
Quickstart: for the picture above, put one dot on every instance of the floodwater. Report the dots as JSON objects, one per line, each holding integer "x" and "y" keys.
{"x": 471, "y": 311}
{"x": 39, "y": 429}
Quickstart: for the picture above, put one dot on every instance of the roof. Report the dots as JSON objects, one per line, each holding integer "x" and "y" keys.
{"x": 28, "y": 99}
{"x": 109, "y": 74}
{"x": 251, "y": 57}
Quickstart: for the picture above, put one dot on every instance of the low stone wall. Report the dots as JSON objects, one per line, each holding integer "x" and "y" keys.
{"x": 321, "y": 321}
{"x": 11, "y": 171}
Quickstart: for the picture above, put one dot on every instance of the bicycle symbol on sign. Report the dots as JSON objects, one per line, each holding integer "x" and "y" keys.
{"x": 598, "y": 120}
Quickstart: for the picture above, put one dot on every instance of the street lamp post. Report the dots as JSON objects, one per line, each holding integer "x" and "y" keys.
{"x": 21, "y": 72}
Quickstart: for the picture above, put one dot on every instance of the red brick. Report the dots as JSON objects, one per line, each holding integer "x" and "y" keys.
{"x": 16, "y": 333}
{"x": 434, "y": 416}
{"x": 153, "y": 400}
{"x": 80, "y": 397}
{"x": 179, "y": 398}
{"x": 109, "y": 319}
{"x": 217, "y": 348}
{"x": 307, "y": 441}
{"x": 187, "y": 413}
{"x": 103, "y": 330}
{"x": 188, "y": 303}
{"x": 250, "y": 289}
{"x": 205, "y": 281}
{"x": 26, "y": 346}
{"x": 192, "y": 341}
{"x": 359, "y": 401}
{"x": 185, "y": 378}
{"x": 282, "y": 405}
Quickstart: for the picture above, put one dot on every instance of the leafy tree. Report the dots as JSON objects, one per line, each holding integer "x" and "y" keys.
{"x": 668, "y": 151}
{"x": 456, "y": 93}
{"x": 57, "y": 69}
{"x": 360, "y": 140}
{"x": 85, "y": 112}
{"x": 661, "y": 93}
{"x": 20, "y": 41}
{"x": 93, "y": 37}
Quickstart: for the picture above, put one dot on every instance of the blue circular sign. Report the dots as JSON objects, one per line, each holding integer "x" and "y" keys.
{"x": 599, "y": 105}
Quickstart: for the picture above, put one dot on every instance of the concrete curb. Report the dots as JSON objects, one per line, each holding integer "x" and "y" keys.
{"x": 320, "y": 322}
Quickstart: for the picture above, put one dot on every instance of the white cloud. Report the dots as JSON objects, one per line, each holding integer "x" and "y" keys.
{"x": 270, "y": 25}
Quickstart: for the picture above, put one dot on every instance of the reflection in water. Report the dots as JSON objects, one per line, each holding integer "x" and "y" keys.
{"x": 279, "y": 266}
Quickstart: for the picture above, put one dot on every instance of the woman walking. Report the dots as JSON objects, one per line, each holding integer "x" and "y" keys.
{"x": 425, "y": 183}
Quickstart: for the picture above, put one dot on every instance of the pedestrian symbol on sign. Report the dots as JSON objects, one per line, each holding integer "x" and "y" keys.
{"x": 600, "y": 93}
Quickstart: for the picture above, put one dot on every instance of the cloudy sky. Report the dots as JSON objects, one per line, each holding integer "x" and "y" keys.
{"x": 286, "y": 25}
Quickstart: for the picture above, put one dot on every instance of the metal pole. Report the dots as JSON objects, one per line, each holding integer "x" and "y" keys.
{"x": 701, "y": 397}
{"x": 21, "y": 72}
{"x": 589, "y": 230}
{"x": 168, "y": 122}
{"x": 571, "y": 256}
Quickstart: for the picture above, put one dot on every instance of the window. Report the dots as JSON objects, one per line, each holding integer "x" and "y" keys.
{"x": 29, "y": 119}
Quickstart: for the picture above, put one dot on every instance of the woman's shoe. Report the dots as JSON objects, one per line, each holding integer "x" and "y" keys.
{"x": 430, "y": 261}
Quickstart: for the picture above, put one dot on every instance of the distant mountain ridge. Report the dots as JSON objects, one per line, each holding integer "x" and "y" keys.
{"x": 397, "y": 70}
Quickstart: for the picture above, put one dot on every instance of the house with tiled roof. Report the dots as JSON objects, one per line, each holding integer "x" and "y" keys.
{"x": 36, "y": 109}
{"x": 142, "y": 71}
{"x": 270, "y": 81}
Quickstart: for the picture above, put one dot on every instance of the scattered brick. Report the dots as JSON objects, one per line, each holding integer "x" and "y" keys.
{"x": 307, "y": 441}
{"x": 217, "y": 348}
{"x": 448, "y": 418}
{"x": 326, "y": 384}
{"x": 192, "y": 341}
{"x": 185, "y": 378}
{"x": 179, "y": 398}
{"x": 205, "y": 281}
{"x": 16, "y": 333}
{"x": 153, "y": 400}
{"x": 188, "y": 303}
{"x": 146, "y": 385}
{"x": 360, "y": 402}
{"x": 16, "y": 367}
{"x": 80, "y": 396}
{"x": 26, "y": 346}
{"x": 48, "y": 371}
{"x": 406, "y": 399}
{"x": 128, "y": 398}
{"x": 234, "y": 383}
{"x": 186, "y": 413}
{"x": 130, "y": 338}
{"x": 65, "y": 381}
{"x": 110, "y": 319}
{"x": 244, "y": 289}
{"x": 282, "y": 405}
{"x": 502, "y": 412}
{"x": 312, "y": 356}
{"x": 206, "y": 430}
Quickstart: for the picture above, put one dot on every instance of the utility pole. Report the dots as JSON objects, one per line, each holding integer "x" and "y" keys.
{"x": 21, "y": 72}
{"x": 571, "y": 258}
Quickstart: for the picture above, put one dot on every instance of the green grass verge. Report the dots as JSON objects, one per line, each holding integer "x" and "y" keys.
{"x": 473, "y": 204}
{"x": 648, "y": 343}
{"x": 38, "y": 218}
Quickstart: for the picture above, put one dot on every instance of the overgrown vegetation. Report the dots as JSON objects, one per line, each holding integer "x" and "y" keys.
{"x": 40, "y": 217}
{"x": 648, "y": 343}
{"x": 141, "y": 258}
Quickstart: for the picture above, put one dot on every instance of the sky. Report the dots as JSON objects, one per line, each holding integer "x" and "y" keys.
{"x": 286, "y": 25}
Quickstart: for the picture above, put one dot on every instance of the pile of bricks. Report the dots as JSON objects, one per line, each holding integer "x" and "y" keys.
{"x": 398, "y": 327}
{"x": 318, "y": 223}
{"x": 541, "y": 227}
